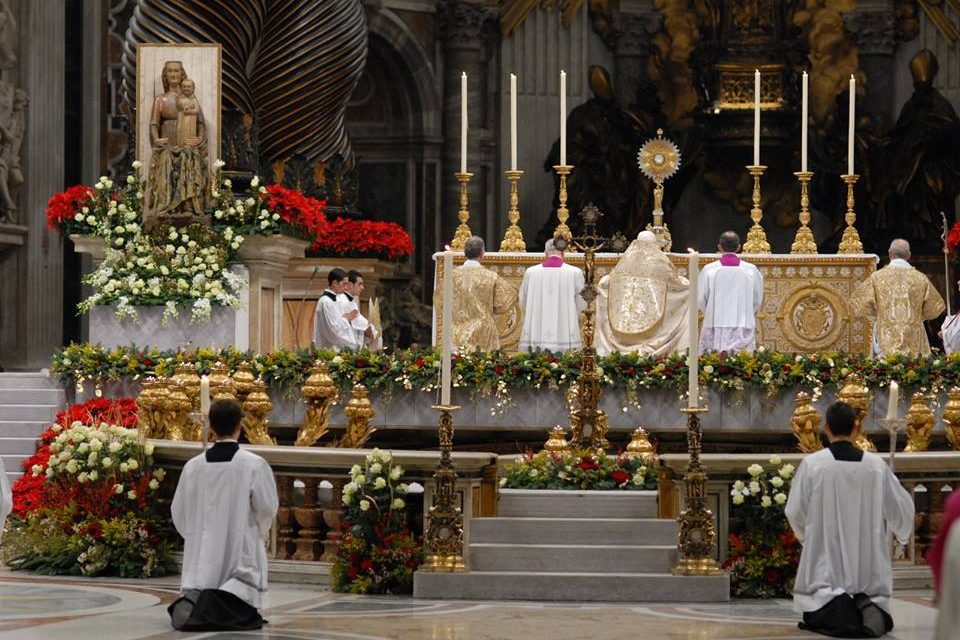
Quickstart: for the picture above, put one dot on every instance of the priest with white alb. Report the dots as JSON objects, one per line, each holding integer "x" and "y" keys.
{"x": 844, "y": 504}
{"x": 551, "y": 300}
{"x": 731, "y": 292}
{"x": 331, "y": 327}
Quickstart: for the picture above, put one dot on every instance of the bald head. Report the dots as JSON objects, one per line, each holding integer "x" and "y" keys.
{"x": 899, "y": 248}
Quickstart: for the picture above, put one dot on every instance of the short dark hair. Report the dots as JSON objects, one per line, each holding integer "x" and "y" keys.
{"x": 225, "y": 415}
{"x": 729, "y": 241}
{"x": 354, "y": 275}
{"x": 336, "y": 275}
{"x": 841, "y": 418}
{"x": 473, "y": 248}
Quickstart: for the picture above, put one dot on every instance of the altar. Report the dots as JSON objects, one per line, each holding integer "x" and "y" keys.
{"x": 805, "y": 302}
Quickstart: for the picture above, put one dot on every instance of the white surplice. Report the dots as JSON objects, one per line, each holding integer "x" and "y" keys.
{"x": 948, "y": 616}
{"x": 330, "y": 329}
{"x": 6, "y": 497}
{"x": 359, "y": 324}
{"x": 224, "y": 510}
{"x": 951, "y": 333}
{"x": 729, "y": 297}
{"x": 844, "y": 512}
{"x": 551, "y": 300}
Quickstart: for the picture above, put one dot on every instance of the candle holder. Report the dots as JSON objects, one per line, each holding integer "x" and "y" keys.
{"x": 804, "y": 242}
{"x": 697, "y": 533}
{"x": 563, "y": 214}
{"x": 513, "y": 238}
{"x": 463, "y": 232}
{"x": 756, "y": 237}
{"x": 850, "y": 243}
{"x": 893, "y": 427}
{"x": 443, "y": 536}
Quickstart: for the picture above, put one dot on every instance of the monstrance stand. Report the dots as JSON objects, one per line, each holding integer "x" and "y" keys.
{"x": 443, "y": 538}
{"x": 659, "y": 159}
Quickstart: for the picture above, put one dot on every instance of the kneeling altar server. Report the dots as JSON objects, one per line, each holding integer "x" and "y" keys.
{"x": 224, "y": 506}
{"x": 550, "y": 298}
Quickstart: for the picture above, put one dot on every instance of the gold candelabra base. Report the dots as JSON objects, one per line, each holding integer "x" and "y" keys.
{"x": 443, "y": 537}
{"x": 513, "y": 238}
{"x": 756, "y": 237}
{"x": 850, "y": 243}
{"x": 804, "y": 242}
{"x": 463, "y": 232}
{"x": 695, "y": 541}
{"x": 563, "y": 214}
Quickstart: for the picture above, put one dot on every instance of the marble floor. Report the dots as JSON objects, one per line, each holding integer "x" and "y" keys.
{"x": 37, "y": 608}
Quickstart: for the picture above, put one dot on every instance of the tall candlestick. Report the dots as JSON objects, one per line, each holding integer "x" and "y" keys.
{"x": 205, "y": 395}
{"x": 446, "y": 340}
{"x": 693, "y": 355}
{"x": 513, "y": 122}
{"x": 803, "y": 127}
{"x": 463, "y": 122}
{"x": 894, "y": 397}
{"x": 850, "y": 137}
{"x": 563, "y": 118}
{"x": 756, "y": 118}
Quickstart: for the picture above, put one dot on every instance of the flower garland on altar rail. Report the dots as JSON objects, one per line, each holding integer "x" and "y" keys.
{"x": 495, "y": 374}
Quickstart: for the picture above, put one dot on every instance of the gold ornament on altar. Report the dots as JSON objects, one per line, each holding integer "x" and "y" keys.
{"x": 857, "y": 395}
{"x": 359, "y": 412}
{"x": 563, "y": 214}
{"x": 318, "y": 392}
{"x": 806, "y": 424}
{"x": 177, "y": 409}
{"x": 185, "y": 374}
{"x": 256, "y": 407}
{"x": 951, "y": 418}
{"x": 243, "y": 381}
{"x": 147, "y": 402}
{"x": 756, "y": 236}
{"x": 557, "y": 440}
{"x": 850, "y": 243}
{"x": 513, "y": 238}
{"x": 639, "y": 446}
{"x": 920, "y": 423}
{"x": 463, "y": 232}
{"x": 804, "y": 242}
{"x": 221, "y": 384}
{"x": 659, "y": 159}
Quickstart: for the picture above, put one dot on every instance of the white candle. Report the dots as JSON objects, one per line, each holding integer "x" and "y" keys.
{"x": 850, "y": 138}
{"x": 756, "y": 118}
{"x": 446, "y": 340}
{"x": 513, "y": 122}
{"x": 693, "y": 355}
{"x": 205, "y": 395}
{"x": 463, "y": 122}
{"x": 803, "y": 126}
{"x": 563, "y": 118}
{"x": 894, "y": 397}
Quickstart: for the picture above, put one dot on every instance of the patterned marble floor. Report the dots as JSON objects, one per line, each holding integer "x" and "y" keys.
{"x": 36, "y": 608}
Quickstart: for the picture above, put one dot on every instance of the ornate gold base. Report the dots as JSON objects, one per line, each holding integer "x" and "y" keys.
{"x": 804, "y": 241}
{"x": 756, "y": 237}
{"x": 850, "y": 243}
{"x": 697, "y": 567}
{"x": 443, "y": 564}
{"x": 443, "y": 530}
{"x": 463, "y": 232}
{"x": 513, "y": 238}
{"x": 563, "y": 214}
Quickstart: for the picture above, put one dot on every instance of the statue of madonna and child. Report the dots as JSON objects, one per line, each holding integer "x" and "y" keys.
{"x": 178, "y": 179}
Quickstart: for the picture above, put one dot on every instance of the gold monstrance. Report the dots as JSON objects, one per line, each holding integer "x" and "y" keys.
{"x": 659, "y": 159}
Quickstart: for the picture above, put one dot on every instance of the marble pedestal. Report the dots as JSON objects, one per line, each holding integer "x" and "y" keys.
{"x": 227, "y": 328}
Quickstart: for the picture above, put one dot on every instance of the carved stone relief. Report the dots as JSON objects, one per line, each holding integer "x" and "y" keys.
{"x": 13, "y": 106}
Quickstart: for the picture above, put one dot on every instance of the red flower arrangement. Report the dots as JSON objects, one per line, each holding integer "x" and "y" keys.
{"x": 64, "y": 206}
{"x": 297, "y": 210}
{"x": 348, "y": 237}
{"x": 953, "y": 237}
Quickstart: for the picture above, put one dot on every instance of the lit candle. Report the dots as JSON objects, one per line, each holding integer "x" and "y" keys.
{"x": 693, "y": 354}
{"x": 756, "y": 118}
{"x": 463, "y": 122}
{"x": 446, "y": 339}
{"x": 850, "y": 138}
{"x": 563, "y": 118}
{"x": 803, "y": 126}
{"x": 513, "y": 122}
{"x": 894, "y": 397}
{"x": 205, "y": 395}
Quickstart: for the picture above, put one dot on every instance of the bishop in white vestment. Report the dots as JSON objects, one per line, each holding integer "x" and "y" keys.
{"x": 843, "y": 505}
{"x": 331, "y": 327}
{"x": 551, "y": 300}
{"x": 730, "y": 294}
{"x": 6, "y": 497}
{"x": 223, "y": 507}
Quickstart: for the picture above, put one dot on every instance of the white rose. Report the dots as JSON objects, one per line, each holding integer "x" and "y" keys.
{"x": 379, "y": 483}
{"x": 776, "y": 481}
{"x": 148, "y": 449}
{"x": 106, "y": 462}
{"x": 786, "y": 471}
{"x": 780, "y": 498}
{"x": 118, "y": 489}
{"x": 754, "y": 470}
{"x": 398, "y": 503}
{"x": 754, "y": 488}
{"x": 395, "y": 473}
{"x": 123, "y": 467}
{"x": 78, "y": 217}
{"x": 93, "y": 475}
{"x": 133, "y": 464}
{"x": 376, "y": 468}
{"x": 96, "y": 445}
{"x": 136, "y": 164}
{"x": 738, "y": 499}
{"x": 37, "y": 469}
{"x": 255, "y": 182}
{"x": 130, "y": 180}
{"x": 154, "y": 485}
{"x": 765, "y": 502}
{"x": 114, "y": 447}
{"x": 738, "y": 485}
{"x": 364, "y": 505}
{"x": 775, "y": 460}
{"x": 132, "y": 494}
{"x": 72, "y": 466}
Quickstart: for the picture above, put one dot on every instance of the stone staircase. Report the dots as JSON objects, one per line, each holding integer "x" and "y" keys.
{"x": 590, "y": 546}
{"x": 28, "y": 404}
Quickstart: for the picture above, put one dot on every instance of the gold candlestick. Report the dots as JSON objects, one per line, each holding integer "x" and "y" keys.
{"x": 850, "y": 243}
{"x": 756, "y": 237}
{"x": 697, "y": 532}
{"x": 804, "y": 242}
{"x": 463, "y": 230}
{"x": 562, "y": 230}
{"x": 513, "y": 238}
{"x": 443, "y": 533}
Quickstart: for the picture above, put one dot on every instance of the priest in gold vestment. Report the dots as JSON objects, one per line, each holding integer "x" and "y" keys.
{"x": 479, "y": 296}
{"x": 642, "y": 303}
{"x": 898, "y": 298}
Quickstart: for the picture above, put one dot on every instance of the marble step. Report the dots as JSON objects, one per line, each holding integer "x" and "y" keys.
{"x": 28, "y": 381}
{"x": 577, "y": 504}
{"x": 28, "y": 413}
{"x": 570, "y": 558}
{"x": 18, "y": 446}
{"x": 22, "y": 428}
{"x": 44, "y": 397}
{"x": 11, "y": 463}
{"x": 574, "y": 531}
{"x": 571, "y": 587}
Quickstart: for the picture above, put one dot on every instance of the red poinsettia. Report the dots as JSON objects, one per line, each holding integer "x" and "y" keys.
{"x": 64, "y": 206}
{"x": 953, "y": 237}
{"x": 297, "y": 210}
{"x": 344, "y": 236}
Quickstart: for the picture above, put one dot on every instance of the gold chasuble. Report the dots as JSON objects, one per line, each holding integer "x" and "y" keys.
{"x": 479, "y": 295}
{"x": 898, "y": 298}
{"x": 642, "y": 303}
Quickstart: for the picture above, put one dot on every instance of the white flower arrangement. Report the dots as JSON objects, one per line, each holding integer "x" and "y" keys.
{"x": 765, "y": 488}
{"x": 376, "y": 484}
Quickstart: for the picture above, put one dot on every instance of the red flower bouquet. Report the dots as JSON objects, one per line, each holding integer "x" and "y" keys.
{"x": 365, "y": 237}
{"x": 301, "y": 212}
{"x": 62, "y": 210}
